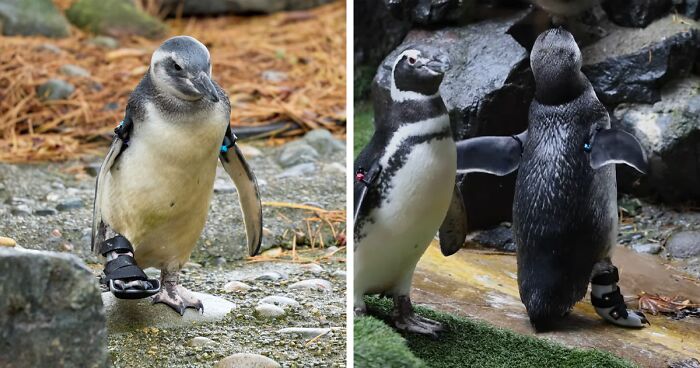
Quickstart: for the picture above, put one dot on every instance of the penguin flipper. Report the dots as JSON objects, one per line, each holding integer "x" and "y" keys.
{"x": 492, "y": 155}
{"x": 615, "y": 146}
{"x": 237, "y": 168}
{"x": 453, "y": 230}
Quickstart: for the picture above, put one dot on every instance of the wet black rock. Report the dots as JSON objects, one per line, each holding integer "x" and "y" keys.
{"x": 500, "y": 238}
{"x": 684, "y": 244}
{"x": 669, "y": 131}
{"x": 490, "y": 70}
{"x": 50, "y": 311}
{"x": 376, "y": 32}
{"x": 631, "y": 65}
{"x": 429, "y": 12}
{"x": 636, "y": 13}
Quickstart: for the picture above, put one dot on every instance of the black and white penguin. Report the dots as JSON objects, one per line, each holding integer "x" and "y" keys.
{"x": 404, "y": 187}
{"x": 156, "y": 183}
{"x": 565, "y": 206}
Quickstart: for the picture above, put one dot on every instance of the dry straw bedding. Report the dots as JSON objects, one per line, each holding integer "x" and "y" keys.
{"x": 308, "y": 47}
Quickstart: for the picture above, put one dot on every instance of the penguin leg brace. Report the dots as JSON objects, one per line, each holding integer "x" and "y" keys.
{"x": 122, "y": 275}
{"x": 609, "y": 302}
{"x": 406, "y": 319}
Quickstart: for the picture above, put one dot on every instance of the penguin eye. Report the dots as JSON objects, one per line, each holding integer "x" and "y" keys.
{"x": 411, "y": 60}
{"x": 177, "y": 66}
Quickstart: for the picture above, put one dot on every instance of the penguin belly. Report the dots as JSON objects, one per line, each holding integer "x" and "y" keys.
{"x": 401, "y": 228}
{"x": 158, "y": 194}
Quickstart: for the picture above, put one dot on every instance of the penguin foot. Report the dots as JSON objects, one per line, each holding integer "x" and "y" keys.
{"x": 609, "y": 302}
{"x": 176, "y": 296}
{"x": 122, "y": 276}
{"x": 405, "y": 319}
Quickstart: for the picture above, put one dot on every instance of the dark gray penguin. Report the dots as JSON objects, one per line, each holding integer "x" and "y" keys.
{"x": 565, "y": 207}
{"x": 404, "y": 187}
{"x": 156, "y": 183}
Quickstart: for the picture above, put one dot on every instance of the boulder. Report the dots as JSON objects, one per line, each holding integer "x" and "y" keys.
{"x": 50, "y": 311}
{"x": 490, "y": 70}
{"x": 114, "y": 18}
{"x": 684, "y": 244}
{"x": 631, "y": 65}
{"x": 669, "y": 131}
{"x": 218, "y": 7}
{"x": 636, "y": 13}
{"x": 32, "y": 17}
{"x": 429, "y": 12}
{"x": 376, "y": 32}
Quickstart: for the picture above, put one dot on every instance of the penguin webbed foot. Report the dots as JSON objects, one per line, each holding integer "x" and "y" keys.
{"x": 608, "y": 301}
{"x": 177, "y": 296}
{"x": 122, "y": 276}
{"x": 405, "y": 319}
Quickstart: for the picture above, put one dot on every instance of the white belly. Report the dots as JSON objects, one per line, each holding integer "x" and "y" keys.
{"x": 404, "y": 226}
{"x": 158, "y": 193}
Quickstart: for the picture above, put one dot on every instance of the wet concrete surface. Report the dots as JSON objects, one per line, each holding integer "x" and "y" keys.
{"x": 483, "y": 285}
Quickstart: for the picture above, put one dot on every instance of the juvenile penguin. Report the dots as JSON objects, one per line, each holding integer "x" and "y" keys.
{"x": 405, "y": 180}
{"x": 565, "y": 205}
{"x": 155, "y": 185}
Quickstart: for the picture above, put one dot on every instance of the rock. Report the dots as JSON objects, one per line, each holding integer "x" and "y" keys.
{"x": 272, "y": 276}
{"x": 131, "y": 315}
{"x": 50, "y": 311}
{"x": 269, "y": 311}
{"x": 636, "y": 13}
{"x": 500, "y": 237}
{"x": 272, "y": 253}
{"x": 649, "y": 248}
{"x": 104, "y": 41}
{"x": 280, "y": 301}
{"x": 222, "y": 185}
{"x": 114, "y": 18}
{"x": 247, "y": 360}
{"x": 490, "y": 69}
{"x": 312, "y": 268}
{"x": 684, "y": 244}
{"x": 685, "y": 363}
{"x": 48, "y": 47}
{"x": 307, "y": 169}
{"x": 323, "y": 142}
{"x": 54, "y": 89}
{"x": 377, "y": 32}
{"x": 70, "y": 204}
{"x": 217, "y": 7}
{"x": 274, "y": 76}
{"x": 249, "y": 151}
{"x": 32, "y": 17}
{"x": 236, "y": 287}
{"x": 7, "y": 242}
{"x": 21, "y": 210}
{"x": 340, "y": 274}
{"x": 93, "y": 169}
{"x": 429, "y": 12}
{"x": 74, "y": 71}
{"x": 630, "y": 65}
{"x": 335, "y": 168}
{"x": 200, "y": 341}
{"x": 47, "y": 211}
{"x": 305, "y": 332}
{"x": 313, "y": 284}
{"x": 295, "y": 153}
{"x": 669, "y": 131}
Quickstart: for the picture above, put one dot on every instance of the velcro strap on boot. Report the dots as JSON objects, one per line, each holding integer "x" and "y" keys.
{"x": 608, "y": 300}
{"x": 118, "y": 243}
{"x": 123, "y": 267}
{"x": 607, "y": 278}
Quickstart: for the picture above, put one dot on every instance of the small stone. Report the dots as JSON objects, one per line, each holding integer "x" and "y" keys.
{"x": 21, "y": 210}
{"x": 192, "y": 265}
{"x": 45, "y": 211}
{"x": 54, "y": 89}
{"x": 280, "y": 301}
{"x": 249, "y": 151}
{"x": 70, "y": 204}
{"x": 56, "y": 233}
{"x": 312, "y": 268}
{"x": 247, "y": 360}
{"x": 298, "y": 170}
{"x": 67, "y": 247}
{"x": 105, "y": 41}
{"x": 313, "y": 284}
{"x": 323, "y": 142}
{"x": 200, "y": 341}
{"x": 110, "y": 106}
{"x": 684, "y": 244}
{"x": 74, "y": 71}
{"x": 335, "y": 168}
{"x": 222, "y": 185}
{"x": 340, "y": 274}
{"x": 649, "y": 248}
{"x": 274, "y": 76}
{"x": 295, "y": 153}
{"x": 305, "y": 332}
{"x": 272, "y": 253}
{"x": 236, "y": 287}
{"x": 269, "y": 311}
{"x": 331, "y": 250}
{"x": 271, "y": 276}
{"x": 7, "y": 242}
{"x": 48, "y": 47}
{"x": 93, "y": 169}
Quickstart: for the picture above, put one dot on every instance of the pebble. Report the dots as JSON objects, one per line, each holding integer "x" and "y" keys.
{"x": 280, "y": 301}
{"x": 271, "y": 276}
{"x": 272, "y": 253}
{"x": 7, "y": 242}
{"x": 70, "y": 204}
{"x": 313, "y": 284}
{"x": 222, "y": 185}
{"x": 649, "y": 248}
{"x": 312, "y": 268}
{"x": 21, "y": 210}
{"x": 105, "y": 41}
{"x": 269, "y": 311}
{"x": 249, "y": 151}
{"x": 305, "y": 332}
{"x": 684, "y": 244}
{"x": 54, "y": 89}
{"x": 341, "y": 274}
{"x": 93, "y": 169}
{"x": 335, "y": 168}
{"x": 49, "y": 48}
{"x": 323, "y": 142}
{"x": 236, "y": 287}
{"x": 74, "y": 71}
{"x": 332, "y": 250}
{"x": 298, "y": 170}
{"x": 274, "y": 76}
{"x": 200, "y": 341}
{"x": 295, "y": 153}
{"x": 247, "y": 360}
{"x": 45, "y": 211}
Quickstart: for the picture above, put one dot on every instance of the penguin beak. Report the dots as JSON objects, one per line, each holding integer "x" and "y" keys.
{"x": 439, "y": 64}
{"x": 204, "y": 85}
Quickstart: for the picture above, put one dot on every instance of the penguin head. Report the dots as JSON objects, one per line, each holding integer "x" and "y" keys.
{"x": 181, "y": 68}
{"x": 556, "y": 65}
{"x": 419, "y": 70}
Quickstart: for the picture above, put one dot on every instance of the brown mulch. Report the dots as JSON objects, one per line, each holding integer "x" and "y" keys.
{"x": 307, "y": 46}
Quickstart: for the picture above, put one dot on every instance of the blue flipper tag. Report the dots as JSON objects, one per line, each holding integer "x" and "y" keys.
{"x": 587, "y": 147}
{"x": 224, "y": 148}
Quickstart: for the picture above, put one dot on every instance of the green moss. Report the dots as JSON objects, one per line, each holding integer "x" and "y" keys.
{"x": 362, "y": 81}
{"x": 114, "y": 18}
{"x": 377, "y": 345}
{"x": 364, "y": 125}
{"x": 468, "y": 343}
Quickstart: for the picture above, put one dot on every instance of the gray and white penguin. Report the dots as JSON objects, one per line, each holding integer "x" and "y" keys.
{"x": 156, "y": 182}
{"x": 565, "y": 207}
{"x": 405, "y": 187}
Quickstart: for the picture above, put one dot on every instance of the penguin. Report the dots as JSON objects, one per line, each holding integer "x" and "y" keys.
{"x": 565, "y": 207}
{"x": 156, "y": 182}
{"x": 405, "y": 187}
